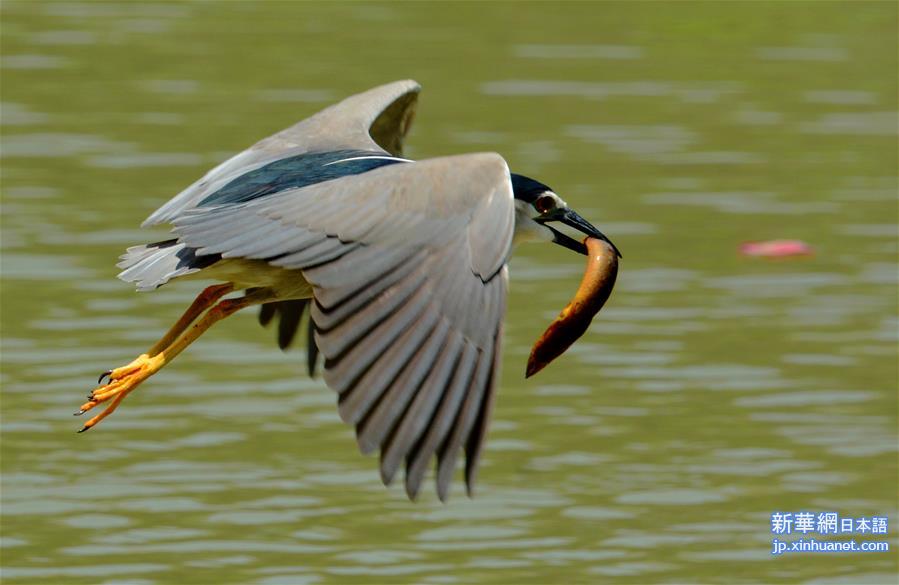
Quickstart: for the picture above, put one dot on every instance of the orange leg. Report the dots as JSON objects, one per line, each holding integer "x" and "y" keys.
{"x": 204, "y": 300}
{"x": 124, "y": 380}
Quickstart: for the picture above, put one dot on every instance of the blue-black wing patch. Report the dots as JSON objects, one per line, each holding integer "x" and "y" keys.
{"x": 298, "y": 171}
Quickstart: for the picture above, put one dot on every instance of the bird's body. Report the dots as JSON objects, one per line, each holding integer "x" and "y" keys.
{"x": 402, "y": 265}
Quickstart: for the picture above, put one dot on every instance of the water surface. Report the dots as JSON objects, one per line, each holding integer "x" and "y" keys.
{"x": 712, "y": 391}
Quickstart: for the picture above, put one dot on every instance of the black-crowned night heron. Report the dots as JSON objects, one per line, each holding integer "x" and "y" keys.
{"x": 402, "y": 265}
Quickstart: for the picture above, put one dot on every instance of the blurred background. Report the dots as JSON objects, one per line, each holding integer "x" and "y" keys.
{"x": 713, "y": 390}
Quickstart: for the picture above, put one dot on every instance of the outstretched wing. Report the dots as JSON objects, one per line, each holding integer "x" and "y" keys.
{"x": 376, "y": 120}
{"x": 408, "y": 268}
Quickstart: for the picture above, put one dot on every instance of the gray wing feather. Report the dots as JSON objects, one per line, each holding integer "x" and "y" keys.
{"x": 290, "y": 314}
{"x": 356, "y": 400}
{"x": 475, "y": 443}
{"x": 311, "y": 348}
{"x": 291, "y": 311}
{"x": 407, "y": 265}
{"x": 419, "y": 414}
{"x": 374, "y": 429}
{"x": 481, "y": 390}
{"x": 338, "y": 312}
{"x": 325, "y": 250}
{"x": 418, "y": 458}
{"x": 375, "y": 120}
{"x": 449, "y": 451}
{"x": 235, "y": 239}
{"x": 340, "y": 371}
{"x": 267, "y": 312}
{"x": 378, "y": 269}
{"x": 487, "y": 258}
{"x": 368, "y": 321}
{"x": 232, "y": 230}
{"x": 261, "y": 247}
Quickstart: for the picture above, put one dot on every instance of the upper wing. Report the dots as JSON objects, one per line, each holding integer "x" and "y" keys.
{"x": 408, "y": 267}
{"x": 375, "y": 120}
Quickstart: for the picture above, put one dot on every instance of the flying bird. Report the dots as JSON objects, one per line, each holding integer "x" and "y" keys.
{"x": 401, "y": 265}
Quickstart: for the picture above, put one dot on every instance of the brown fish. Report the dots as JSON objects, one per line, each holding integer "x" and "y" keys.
{"x": 572, "y": 322}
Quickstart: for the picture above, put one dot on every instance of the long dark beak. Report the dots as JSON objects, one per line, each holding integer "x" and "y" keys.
{"x": 573, "y": 219}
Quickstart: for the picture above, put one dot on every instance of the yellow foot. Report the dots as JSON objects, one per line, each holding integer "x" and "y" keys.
{"x": 121, "y": 382}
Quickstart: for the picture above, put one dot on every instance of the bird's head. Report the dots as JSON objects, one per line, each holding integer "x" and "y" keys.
{"x": 536, "y": 205}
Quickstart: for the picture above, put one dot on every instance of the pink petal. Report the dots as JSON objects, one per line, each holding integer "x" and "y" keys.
{"x": 776, "y": 248}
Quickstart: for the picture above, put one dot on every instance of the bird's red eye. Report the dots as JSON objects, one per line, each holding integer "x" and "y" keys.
{"x": 544, "y": 203}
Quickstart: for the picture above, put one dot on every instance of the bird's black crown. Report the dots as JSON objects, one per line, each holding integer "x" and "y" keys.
{"x": 527, "y": 189}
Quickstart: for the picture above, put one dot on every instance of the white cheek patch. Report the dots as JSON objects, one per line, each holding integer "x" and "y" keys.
{"x": 526, "y": 229}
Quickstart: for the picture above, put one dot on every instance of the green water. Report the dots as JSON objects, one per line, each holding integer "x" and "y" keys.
{"x": 714, "y": 390}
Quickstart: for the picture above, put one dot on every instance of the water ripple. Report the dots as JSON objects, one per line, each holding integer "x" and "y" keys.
{"x": 614, "y": 52}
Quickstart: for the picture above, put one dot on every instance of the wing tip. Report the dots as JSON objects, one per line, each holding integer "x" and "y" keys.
{"x": 401, "y": 86}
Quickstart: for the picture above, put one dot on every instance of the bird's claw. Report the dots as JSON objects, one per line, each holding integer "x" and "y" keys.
{"x": 119, "y": 383}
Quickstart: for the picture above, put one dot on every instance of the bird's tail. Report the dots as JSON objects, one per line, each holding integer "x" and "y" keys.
{"x": 152, "y": 265}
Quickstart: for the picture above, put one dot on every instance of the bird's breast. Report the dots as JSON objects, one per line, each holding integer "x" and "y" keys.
{"x": 244, "y": 273}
